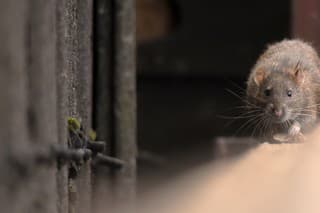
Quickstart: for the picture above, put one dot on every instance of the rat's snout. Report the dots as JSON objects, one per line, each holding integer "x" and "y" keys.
{"x": 277, "y": 111}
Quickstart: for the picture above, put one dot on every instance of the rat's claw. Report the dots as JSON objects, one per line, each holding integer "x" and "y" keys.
{"x": 294, "y": 129}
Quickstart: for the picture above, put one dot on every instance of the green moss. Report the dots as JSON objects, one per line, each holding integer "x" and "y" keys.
{"x": 92, "y": 135}
{"x": 73, "y": 124}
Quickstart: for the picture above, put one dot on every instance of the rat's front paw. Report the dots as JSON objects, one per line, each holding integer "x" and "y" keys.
{"x": 294, "y": 129}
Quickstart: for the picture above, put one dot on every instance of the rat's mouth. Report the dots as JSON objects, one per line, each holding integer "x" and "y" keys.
{"x": 281, "y": 119}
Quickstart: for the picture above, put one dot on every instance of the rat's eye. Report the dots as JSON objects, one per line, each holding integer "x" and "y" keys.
{"x": 289, "y": 92}
{"x": 267, "y": 92}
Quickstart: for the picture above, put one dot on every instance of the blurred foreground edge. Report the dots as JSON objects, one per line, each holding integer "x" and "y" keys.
{"x": 267, "y": 178}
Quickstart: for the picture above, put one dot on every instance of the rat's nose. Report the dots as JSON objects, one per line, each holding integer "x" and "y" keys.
{"x": 278, "y": 112}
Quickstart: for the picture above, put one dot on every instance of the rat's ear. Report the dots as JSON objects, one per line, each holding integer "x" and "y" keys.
{"x": 299, "y": 73}
{"x": 299, "y": 76}
{"x": 259, "y": 76}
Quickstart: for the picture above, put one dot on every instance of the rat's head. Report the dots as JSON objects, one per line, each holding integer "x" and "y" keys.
{"x": 278, "y": 94}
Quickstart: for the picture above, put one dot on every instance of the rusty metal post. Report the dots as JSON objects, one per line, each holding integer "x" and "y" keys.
{"x": 79, "y": 71}
{"x": 70, "y": 8}
{"x": 84, "y": 96}
{"x": 115, "y": 100}
{"x": 41, "y": 75}
{"x": 103, "y": 75}
{"x": 27, "y": 104}
{"x": 13, "y": 102}
{"x": 62, "y": 98}
{"x": 125, "y": 100}
{"x": 103, "y": 97}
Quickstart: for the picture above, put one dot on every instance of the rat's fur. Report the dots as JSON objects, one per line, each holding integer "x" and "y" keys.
{"x": 289, "y": 65}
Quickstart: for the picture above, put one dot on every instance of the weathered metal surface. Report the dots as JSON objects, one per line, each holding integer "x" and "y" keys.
{"x": 62, "y": 98}
{"x": 28, "y": 104}
{"x": 13, "y": 102}
{"x": 115, "y": 101}
{"x": 103, "y": 71}
{"x": 79, "y": 71}
{"x": 108, "y": 161}
{"x": 125, "y": 100}
{"x": 103, "y": 97}
{"x": 46, "y": 76}
{"x": 42, "y": 107}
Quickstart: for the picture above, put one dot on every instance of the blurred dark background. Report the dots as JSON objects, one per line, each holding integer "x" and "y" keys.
{"x": 189, "y": 53}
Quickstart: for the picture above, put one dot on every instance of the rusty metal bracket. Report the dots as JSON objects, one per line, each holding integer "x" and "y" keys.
{"x": 104, "y": 160}
{"x": 80, "y": 149}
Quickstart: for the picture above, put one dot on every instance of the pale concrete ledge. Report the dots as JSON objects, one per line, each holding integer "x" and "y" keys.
{"x": 267, "y": 178}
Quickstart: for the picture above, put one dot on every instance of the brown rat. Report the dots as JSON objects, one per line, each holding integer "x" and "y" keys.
{"x": 283, "y": 89}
